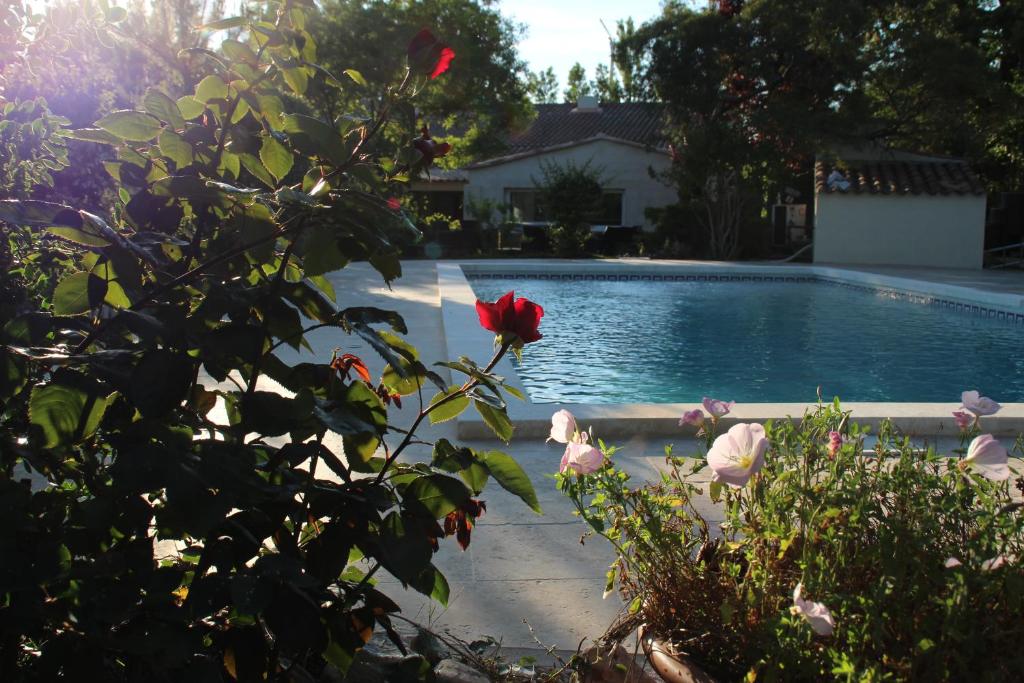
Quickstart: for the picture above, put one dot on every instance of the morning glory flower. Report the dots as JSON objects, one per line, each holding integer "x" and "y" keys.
{"x": 738, "y": 454}
{"x": 582, "y": 458}
{"x": 989, "y": 457}
{"x": 563, "y": 427}
{"x": 717, "y": 408}
{"x": 816, "y": 614}
{"x": 963, "y": 419}
{"x": 978, "y": 404}
{"x": 693, "y": 417}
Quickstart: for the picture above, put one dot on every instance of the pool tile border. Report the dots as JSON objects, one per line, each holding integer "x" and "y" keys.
{"x": 464, "y": 336}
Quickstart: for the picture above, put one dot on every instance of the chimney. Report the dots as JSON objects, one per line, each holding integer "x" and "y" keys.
{"x": 587, "y": 104}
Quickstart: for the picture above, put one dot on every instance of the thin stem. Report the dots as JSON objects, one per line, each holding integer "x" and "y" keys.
{"x": 462, "y": 391}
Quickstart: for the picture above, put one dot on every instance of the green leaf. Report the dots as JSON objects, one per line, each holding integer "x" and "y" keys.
{"x": 65, "y": 411}
{"x": 387, "y": 264}
{"x": 160, "y": 382}
{"x": 276, "y": 158}
{"x": 431, "y": 582}
{"x": 715, "y": 489}
{"x": 496, "y": 419}
{"x": 164, "y": 108}
{"x": 77, "y": 236}
{"x": 223, "y": 24}
{"x": 175, "y": 148}
{"x": 407, "y": 377}
{"x": 190, "y": 107}
{"x": 134, "y": 126}
{"x": 438, "y": 493}
{"x": 318, "y": 137}
{"x": 253, "y": 165}
{"x": 72, "y": 294}
{"x": 211, "y": 88}
{"x": 12, "y": 375}
{"x": 31, "y": 212}
{"x": 239, "y": 52}
{"x": 507, "y": 472}
{"x": 297, "y": 79}
{"x": 356, "y": 76}
{"x": 451, "y": 409}
{"x": 94, "y": 135}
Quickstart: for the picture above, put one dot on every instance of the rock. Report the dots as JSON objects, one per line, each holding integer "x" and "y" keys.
{"x": 372, "y": 667}
{"x": 430, "y": 646}
{"x": 454, "y": 671}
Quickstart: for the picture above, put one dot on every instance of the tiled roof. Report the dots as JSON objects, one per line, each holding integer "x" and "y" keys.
{"x": 559, "y": 124}
{"x": 939, "y": 177}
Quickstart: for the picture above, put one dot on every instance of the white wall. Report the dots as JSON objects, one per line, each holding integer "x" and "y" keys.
{"x": 910, "y": 230}
{"x": 623, "y": 167}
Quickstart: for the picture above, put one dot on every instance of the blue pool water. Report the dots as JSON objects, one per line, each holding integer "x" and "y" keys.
{"x": 756, "y": 342}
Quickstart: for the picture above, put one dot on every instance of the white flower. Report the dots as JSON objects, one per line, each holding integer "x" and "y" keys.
{"x": 563, "y": 427}
{"x": 738, "y": 454}
{"x": 989, "y": 457}
{"x": 952, "y": 562}
{"x": 816, "y": 614}
{"x": 978, "y": 404}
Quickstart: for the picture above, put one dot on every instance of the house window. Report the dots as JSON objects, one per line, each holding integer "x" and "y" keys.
{"x": 526, "y": 206}
{"x": 610, "y": 211}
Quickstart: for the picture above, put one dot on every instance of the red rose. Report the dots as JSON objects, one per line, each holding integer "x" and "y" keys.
{"x": 428, "y": 54}
{"x": 520, "y": 318}
{"x": 429, "y": 148}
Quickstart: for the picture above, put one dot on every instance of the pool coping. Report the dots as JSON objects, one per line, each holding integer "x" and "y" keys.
{"x": 464, "y": 337}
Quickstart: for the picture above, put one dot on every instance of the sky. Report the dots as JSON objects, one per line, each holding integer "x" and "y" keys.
{"x": 560, "y": 33}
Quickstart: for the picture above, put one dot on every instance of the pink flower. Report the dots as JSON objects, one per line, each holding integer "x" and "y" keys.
{"x": 995, "y": 563}
{"x": 835, "y": 442}
{"x": 952, "y": 562}
{"x": 563, "y": 427}
{"x": 582, "y": 458}
{"x": 738, "y": 454}
{"x": 717, "y": 408}
{"x": 816, "y": 614}
{"x": 963, "y": 420}
{"x": 989, "y": 457}
{"x": 978, "y": 404}
{"x": 693, "y": 417}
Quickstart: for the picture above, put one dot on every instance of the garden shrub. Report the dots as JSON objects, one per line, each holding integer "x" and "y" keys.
{"x": 145, "y": 538}
{"x": 833, "y": 560}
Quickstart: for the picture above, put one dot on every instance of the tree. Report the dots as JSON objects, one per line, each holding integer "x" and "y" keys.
{"x": 543, "y": 86}
{"x": 571, "y": 194}
{"x": 577, "y": 85}
{"x": 606, "y": 84}
{"x": 755, "y": 90}
{"x": 486, "y": 96}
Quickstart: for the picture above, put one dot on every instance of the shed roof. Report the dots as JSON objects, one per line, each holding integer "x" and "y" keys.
{"x": 898, "y": 177}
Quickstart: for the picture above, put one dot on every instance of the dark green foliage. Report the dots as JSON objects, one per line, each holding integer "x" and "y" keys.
{"x": 161, "y": 518}
{"x": 571, "y": 195}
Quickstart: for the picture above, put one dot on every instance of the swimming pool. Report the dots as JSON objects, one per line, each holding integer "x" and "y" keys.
{"x": 756, "y": 339}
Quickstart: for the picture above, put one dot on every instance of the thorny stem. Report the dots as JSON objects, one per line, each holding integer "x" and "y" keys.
{"x": 470, "y": 383}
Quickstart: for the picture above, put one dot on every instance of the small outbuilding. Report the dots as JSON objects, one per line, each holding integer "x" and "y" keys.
{"x": 898, "y": 209}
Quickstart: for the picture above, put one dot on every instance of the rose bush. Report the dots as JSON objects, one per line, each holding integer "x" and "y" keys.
{"x": 180, "y": 501}
{"x": 839, "y": 554}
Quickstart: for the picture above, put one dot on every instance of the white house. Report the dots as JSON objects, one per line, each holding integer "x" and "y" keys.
{"x": 623, "y": 142}
{"x": 895, "y": 208}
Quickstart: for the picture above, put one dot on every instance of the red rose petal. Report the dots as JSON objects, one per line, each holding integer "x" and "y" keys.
{"x": 443, "y": 61}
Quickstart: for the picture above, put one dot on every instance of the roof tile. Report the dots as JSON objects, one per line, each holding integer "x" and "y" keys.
{"x": 560, "y": 124}
{"x": 950, "y": 177}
